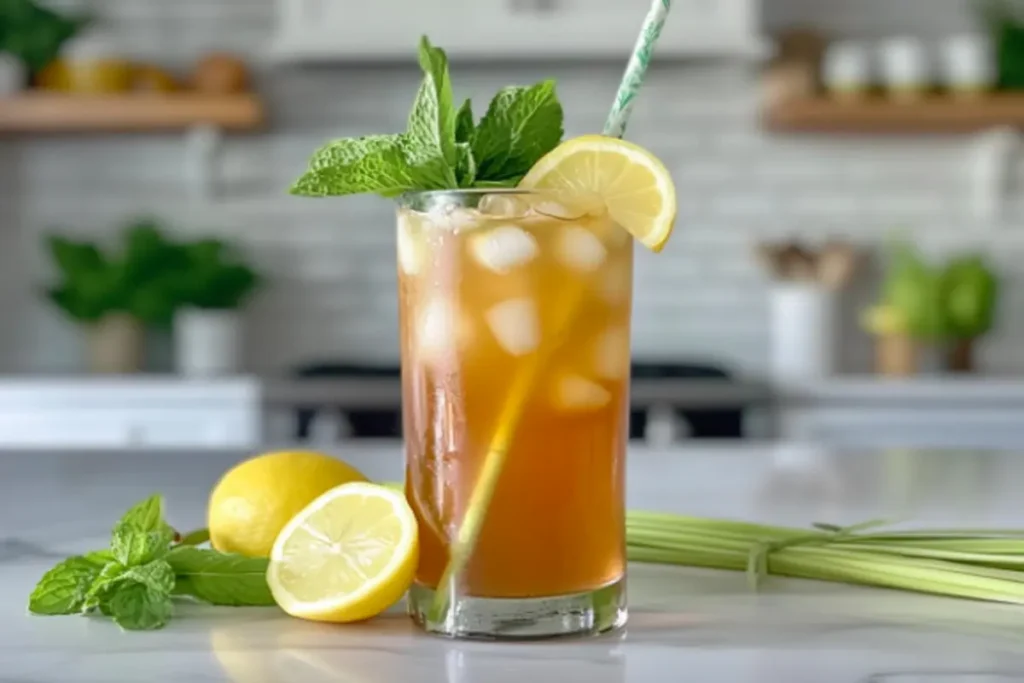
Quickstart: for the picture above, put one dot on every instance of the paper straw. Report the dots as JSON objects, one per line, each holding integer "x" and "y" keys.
{"x": 636, "y": 69}
{"x": 483, "y": 491}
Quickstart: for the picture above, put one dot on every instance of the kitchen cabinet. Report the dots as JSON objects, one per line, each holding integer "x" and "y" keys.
{"x": 347, "y": 30}
{"x": 133, "y": 413}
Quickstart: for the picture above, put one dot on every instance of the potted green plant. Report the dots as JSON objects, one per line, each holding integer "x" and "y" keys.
{"x": 910, "y": 315}
{"x": 115, "y": 294}
{"x": 214, "y": 284}
{"x": 970, "y": 292}
{"x": 33, "y": 35}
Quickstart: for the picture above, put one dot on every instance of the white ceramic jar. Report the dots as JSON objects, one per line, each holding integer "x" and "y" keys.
{"x": 207, "y": 343}
{"x": 12, "y": 74}
{"x": 905, "y": 67}
{"x": 846, "y": 69}
{"x": 968, "y": 64}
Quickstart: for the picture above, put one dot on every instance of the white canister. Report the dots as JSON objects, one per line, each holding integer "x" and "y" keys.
{"x": 803, "y": 331}
{"x": 968, "y": 64}
{"x": 12, "y": 74}
{"x": 207, "y": 343}
{"x": 905, "y": 67}
{"x": 846, "y": 69}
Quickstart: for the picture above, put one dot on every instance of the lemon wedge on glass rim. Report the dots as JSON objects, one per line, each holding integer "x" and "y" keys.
{"x": 348, "y": 556}
{"x": 635, "y": 187}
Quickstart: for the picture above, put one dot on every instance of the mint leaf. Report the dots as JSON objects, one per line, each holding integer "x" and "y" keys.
{"x": 431, "y": 130}
{"x": 132, "y": 546}
{"x": 521, "y": 125}
{"x": 347, "y": 151}
{"x": 108, "y": 576}
{"x": 220, "y": 579}
{"x": 137, "y": 607}
{"x": 62, "y": 590}
{"x": 100, "y": 557}
{"x": 147, "y": 515}
{"x": 386, "y": 172}
{"x": 156, "y": 575}
{"x": 464, "y": 125}
{"x": 466, "y": 169}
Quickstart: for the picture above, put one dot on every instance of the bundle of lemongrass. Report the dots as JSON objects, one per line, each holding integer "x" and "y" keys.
{"x": 974, "y": 564}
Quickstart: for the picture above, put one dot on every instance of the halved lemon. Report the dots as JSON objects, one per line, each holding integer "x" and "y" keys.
{"x": 348, "y": 556}
{"x": 634, "y": 185}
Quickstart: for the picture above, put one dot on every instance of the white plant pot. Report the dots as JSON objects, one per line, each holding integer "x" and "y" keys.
{"x": 803, "y": 331}
{"x": 207, "y": 343}
{"x": 12, "y": 74}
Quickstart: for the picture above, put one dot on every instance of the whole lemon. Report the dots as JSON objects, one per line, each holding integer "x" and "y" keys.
{"x": 255, "y": 499}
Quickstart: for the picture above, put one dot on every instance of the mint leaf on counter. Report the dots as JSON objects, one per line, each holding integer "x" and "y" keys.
{"x": 220, "y": 579}
{"x": 63, "y": 589}
{"x": 133, "y": 582}
{"x": 137, "y": 607}
{"x": 147, "y": 515}
{"x": 133, "y": 546}
{"x": 521, "y": 125}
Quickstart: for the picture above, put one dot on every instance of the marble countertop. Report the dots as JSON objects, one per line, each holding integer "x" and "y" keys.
{"x": 684, "y": 624}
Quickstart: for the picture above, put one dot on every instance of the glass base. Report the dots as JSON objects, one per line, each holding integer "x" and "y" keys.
{"x": 577, "y": 614}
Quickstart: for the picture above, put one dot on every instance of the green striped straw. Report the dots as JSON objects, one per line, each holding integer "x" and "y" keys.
{"x": 480, "y": 500}
{"x": 636, "y": 69}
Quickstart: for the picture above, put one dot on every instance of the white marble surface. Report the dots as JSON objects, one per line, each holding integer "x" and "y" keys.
{"x": 684, "y": 625}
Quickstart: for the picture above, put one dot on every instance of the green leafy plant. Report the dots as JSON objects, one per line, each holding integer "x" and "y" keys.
{"x": 1004, "y": 23}
{"x": 212, "y": 277}
{"x": 913, "y": 288}
{"x": 139, "y": 279}
{"x": 970, "y": 293}
{"x": 34, "y": 33}
{"x": 148, "y": 564}
{"x": 442, "y": 147}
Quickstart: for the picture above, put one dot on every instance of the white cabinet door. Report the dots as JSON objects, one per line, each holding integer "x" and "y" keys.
{"x": 315, "y": 30}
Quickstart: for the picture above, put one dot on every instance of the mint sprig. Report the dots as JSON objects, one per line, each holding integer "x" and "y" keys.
{"x": 442, "y": 147}
{"x": 147, "y": 566}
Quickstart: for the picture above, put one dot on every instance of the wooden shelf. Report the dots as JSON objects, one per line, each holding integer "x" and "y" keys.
{"x": 62, "y": 113}
{"x": 876, "y": 114}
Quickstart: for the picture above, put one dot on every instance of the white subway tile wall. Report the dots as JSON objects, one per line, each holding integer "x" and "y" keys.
{"x": 330, "y": 263}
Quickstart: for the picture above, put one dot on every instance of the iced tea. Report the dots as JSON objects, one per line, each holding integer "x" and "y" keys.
{"x": 488, "y": 284}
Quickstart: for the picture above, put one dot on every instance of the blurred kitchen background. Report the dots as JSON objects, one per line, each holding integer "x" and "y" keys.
{"x": 846, "y": 266}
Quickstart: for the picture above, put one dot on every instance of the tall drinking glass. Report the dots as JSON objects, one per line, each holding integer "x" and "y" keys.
{"x": 484, "y": 291}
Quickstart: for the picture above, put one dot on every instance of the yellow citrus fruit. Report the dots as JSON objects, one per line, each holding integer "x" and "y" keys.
{"x": 633, "y": 184}
{"x": 348, "y": 556}
{"x": 255, "y": 499}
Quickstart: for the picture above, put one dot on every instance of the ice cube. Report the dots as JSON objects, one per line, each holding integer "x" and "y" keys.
{"x": 504, "y": 248}
{"x": 454, "y": 218}
{"x": 515, "y": 325}
{"x": 438, "y": 331}
{"x": 573, "y": 392}
{"x": 580, "y": 249}
{"x": 410, "y": 248}
{"x": 611, "y": 354}
{"x": 503, "y": 206}
{"x": 615, "y": 283}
